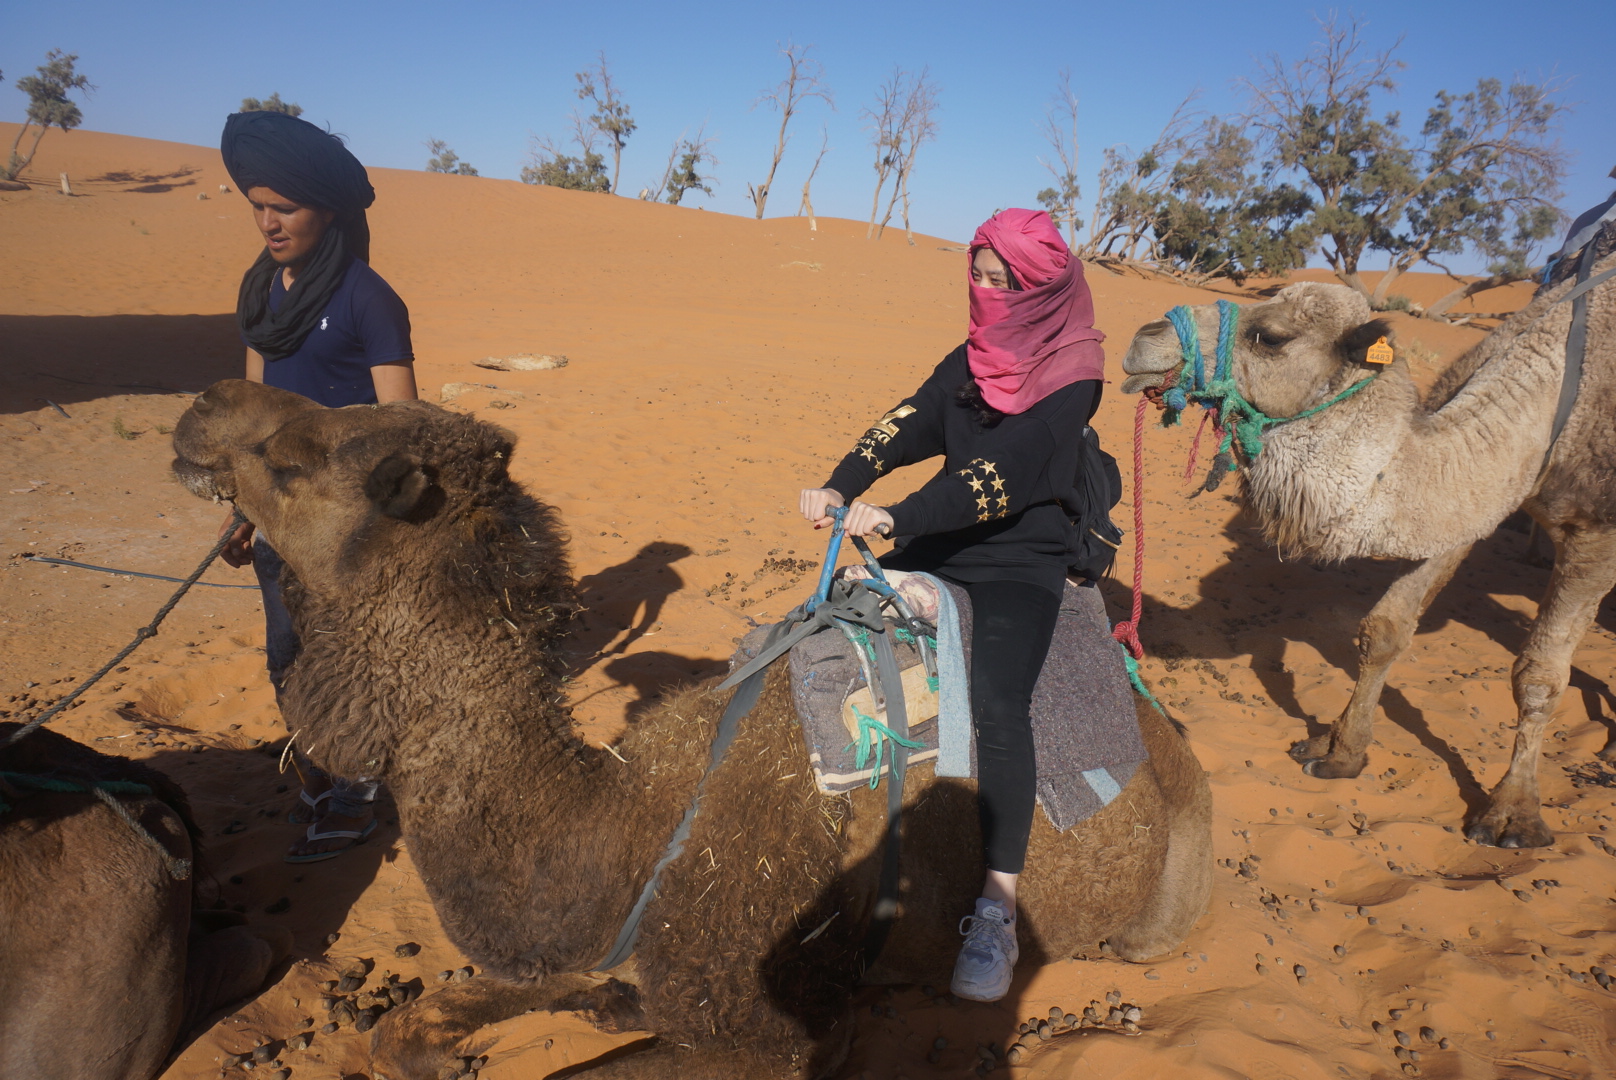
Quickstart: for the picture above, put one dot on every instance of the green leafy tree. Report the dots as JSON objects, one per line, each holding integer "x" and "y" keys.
{"x": 1482, "y": 175}
{"x": 611, "y": 117}
{"x": 48, "y": 105}
{"x": 445, "y": 160}
{"x": 685, "y": 170}
{"x": 584, "y": 171}
{"x": 272, "y": 103}
{"x": 1218, "y": 218}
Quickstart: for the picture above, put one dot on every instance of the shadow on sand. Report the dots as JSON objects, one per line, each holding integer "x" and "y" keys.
{"x": 1254, "y": 605}
{"x": 73, "y": 358}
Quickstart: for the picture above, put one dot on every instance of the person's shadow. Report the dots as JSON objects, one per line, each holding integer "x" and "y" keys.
{"x": 628, "y": 596}
{"x": 621, "y": 605}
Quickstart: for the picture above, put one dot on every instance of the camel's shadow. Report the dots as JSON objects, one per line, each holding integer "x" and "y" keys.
{"x": 1253, "y": 604}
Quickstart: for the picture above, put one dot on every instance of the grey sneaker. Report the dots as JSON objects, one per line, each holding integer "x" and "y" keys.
{"x": 987, "y": 960}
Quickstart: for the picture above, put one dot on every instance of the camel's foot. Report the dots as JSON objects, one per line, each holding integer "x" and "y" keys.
{"x": 416, "y": 1041}
{"x": 1318, "y": 759}
{"x": 1608, "y": 752}
{"x": 1509, "y": 825}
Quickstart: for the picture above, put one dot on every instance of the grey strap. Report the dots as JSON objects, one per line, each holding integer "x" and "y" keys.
{"x": 847, "y": 603}
{"x": 886, "y": 899}
{"x": 1575, "y": 347}
{"x": 1583, "y": 230}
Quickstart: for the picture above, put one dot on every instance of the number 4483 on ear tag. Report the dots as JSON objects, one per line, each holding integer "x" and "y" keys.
{"x": 1379, "y": 353}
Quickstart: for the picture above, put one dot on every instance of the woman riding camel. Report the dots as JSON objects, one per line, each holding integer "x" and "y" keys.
{"x": 1006, "y": 410}
{"x": 316, "y": 320}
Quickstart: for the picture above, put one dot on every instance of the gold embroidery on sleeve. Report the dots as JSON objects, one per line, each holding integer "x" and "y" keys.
{"x": 992, "y": 501}
{"x": 879, "y": 435}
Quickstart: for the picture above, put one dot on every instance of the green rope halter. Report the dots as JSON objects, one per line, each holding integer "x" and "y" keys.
{"x": 1242, "y": 423}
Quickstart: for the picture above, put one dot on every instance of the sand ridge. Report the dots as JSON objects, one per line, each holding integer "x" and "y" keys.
{"x": 719, "y": 364}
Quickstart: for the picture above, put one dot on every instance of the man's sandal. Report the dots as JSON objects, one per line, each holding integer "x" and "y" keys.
{"x": 307, "y": 810}
{"x": 353, "y": 836}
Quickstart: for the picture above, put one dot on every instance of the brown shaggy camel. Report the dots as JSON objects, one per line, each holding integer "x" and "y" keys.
{"x": 1386, "y": 474}
{"x": 432, "y": 595}
{"x": 104, "y": 958}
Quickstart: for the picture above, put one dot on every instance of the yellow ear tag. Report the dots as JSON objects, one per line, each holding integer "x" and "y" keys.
{"x": 1379, "y": 353}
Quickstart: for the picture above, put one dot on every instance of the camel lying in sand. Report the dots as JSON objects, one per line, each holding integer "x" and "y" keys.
{"x": 1386, "y": 474}
{"x": 433, "y": 594}
{"x": 103, "y": 960}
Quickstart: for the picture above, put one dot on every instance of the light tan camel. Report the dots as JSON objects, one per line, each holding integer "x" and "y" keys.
{"x": 443, "y": 596}
{"x": 1386, "y": 474}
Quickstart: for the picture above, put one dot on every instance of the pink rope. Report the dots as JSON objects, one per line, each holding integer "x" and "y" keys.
{"x": 1127, "y": 631}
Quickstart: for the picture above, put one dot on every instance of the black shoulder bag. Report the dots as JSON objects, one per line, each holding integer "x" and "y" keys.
{"x": 1095, "y": 490}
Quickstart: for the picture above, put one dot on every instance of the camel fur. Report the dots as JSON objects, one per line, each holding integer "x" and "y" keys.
{"x": 1385, "y": 473}
{"x": 107, "y": 958}
{"x": 433, "y": 595}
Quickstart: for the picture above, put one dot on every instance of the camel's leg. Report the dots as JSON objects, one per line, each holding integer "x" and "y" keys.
{"x": 416, "y": 1041}
{"x": 1584, "y": 571}
{"x": 1343, "y": 751}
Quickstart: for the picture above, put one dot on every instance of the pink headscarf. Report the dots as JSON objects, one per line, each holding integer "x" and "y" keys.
{"x": 1023, "y": 346}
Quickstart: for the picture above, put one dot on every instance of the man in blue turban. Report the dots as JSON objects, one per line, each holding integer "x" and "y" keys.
{"x": 316, "y": 320}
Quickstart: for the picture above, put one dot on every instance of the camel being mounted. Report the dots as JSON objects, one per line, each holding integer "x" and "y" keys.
{"x": 1384, "y": 473}
{"x": 443, "y": 597}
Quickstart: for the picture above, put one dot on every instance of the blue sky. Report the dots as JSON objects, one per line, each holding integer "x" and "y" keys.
{"x": 485, "y": 76}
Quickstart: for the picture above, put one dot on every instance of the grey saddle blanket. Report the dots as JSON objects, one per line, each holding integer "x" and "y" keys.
{"x": 1086, "y": 738}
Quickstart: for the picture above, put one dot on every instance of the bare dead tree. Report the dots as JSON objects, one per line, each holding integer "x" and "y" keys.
{"x": 1060, "y": 131}
{"x": 920, "y": 129}
{"x": 902, "y": 122}
{"x": 885, "y": 119}
{"x": 807, "y": 206}
{"x": 804, "y": 80}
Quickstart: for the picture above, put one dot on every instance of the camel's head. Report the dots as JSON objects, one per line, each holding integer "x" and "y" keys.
{"x": 1289, "y": 352}
{"x": 333, "y": 488}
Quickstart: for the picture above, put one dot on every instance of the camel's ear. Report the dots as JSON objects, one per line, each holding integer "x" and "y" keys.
{"x": 397, "y": 485}
{"x": 1356, "y": 341}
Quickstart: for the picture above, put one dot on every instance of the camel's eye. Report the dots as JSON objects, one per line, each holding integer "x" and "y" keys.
{"x": 1262, "y": 337}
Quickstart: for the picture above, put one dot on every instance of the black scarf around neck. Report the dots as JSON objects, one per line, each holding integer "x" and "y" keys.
{"x": 275, "y": 335}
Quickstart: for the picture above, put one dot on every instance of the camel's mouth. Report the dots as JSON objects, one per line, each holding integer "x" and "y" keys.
{"x": 1152, "y": 354}
{"x": 203, "y": 482}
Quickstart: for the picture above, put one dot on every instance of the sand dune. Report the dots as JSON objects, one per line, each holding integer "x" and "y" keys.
{"x": 717, "y": 365}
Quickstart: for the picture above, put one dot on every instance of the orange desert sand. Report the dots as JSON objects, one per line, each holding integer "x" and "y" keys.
{"x": 719, "y": 364}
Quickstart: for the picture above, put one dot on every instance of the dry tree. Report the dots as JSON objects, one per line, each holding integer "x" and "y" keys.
{"x": 804, "y": 80}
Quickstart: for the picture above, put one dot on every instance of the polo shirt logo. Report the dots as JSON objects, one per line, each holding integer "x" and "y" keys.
{"x": 322, "y": 322}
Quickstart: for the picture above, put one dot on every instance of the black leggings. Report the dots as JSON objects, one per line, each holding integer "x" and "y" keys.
{"x": 1012, "y": 623}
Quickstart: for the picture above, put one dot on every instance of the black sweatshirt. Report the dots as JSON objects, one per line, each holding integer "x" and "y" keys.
{"x": 991, "y": 514}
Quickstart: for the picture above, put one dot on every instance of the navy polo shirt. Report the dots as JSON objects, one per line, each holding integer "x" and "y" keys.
{"x": 365, "y": 323}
